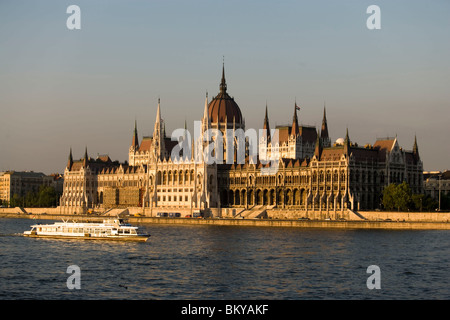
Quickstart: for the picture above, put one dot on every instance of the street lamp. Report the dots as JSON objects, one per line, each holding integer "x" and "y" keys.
{"x": 440, "y": 192}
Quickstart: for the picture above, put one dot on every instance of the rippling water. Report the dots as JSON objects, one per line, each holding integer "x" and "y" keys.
{"x": 220, "y": 262}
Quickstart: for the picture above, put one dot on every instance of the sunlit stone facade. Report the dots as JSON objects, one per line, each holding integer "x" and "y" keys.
{"x": 310, "y": 173}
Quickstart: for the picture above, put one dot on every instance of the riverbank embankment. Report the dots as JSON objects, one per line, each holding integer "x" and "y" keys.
{"x": 297, "y": 223}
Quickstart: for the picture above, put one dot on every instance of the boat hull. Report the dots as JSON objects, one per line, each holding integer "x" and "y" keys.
{"x": 88, "y": 237}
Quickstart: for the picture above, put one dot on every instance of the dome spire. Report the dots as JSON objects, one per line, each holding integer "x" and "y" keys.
{"x": 223, "y": 83}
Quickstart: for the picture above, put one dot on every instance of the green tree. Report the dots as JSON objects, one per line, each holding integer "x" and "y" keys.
{"x": 445, "y": 201}
{"x": 16, "y": 200}
{"x": 403, "y": 197}
{"x": 30, "y": 200}
{"x": 46, "y": 196}
{"x": 389, "y": 197}
{"x": 397, "y": 197}
{"x": 429, "y": 204}
{"x": 423, "y": 202}
{"x": 417, "y": 202}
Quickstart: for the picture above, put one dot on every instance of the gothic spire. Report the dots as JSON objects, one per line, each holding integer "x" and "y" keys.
{"x": 415, "y": 147}
{"x": 266, "y": 127}
{"x": 86, "y": 158}
{"x": 206, "y": 110}
{"x": 70, "y": 161}
{"x": 206, "y": 123}
{"x": 158, "y": 111}
{"x": 324, "y": 130}
{"x": 135, "y": 141}
{"x": 158, "y": 146}
{"x": 295, "y": 129}
{"x": 318, "y": 148}
{"x": 223, "y": 83}
{"x": 347, "y": 143}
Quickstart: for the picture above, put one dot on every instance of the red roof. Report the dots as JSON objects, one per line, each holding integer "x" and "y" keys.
{"x": 146, "y": 144}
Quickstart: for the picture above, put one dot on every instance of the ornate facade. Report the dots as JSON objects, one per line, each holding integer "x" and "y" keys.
{"x": 311, "y": 175}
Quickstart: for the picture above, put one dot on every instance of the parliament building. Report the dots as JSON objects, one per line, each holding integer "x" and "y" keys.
{"x": 313, "y": 176}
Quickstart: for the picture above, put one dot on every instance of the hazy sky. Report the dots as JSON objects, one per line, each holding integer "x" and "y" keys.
{"x": 62, "y": 88}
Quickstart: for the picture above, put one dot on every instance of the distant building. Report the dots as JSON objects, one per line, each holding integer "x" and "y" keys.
{"x": 435, "y": 181}
{"x": 58, "y": 182}
{"x": 312, "y": 174}
{"x": 21, "y": 183}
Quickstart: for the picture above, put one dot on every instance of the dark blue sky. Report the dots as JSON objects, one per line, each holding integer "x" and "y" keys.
{"x": 63, "y": 88}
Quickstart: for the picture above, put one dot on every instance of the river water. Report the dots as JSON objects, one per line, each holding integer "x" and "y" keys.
{"x": 222, "y": 262}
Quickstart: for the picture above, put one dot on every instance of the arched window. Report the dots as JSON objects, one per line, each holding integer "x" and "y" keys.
{"x": 158, "y": 177}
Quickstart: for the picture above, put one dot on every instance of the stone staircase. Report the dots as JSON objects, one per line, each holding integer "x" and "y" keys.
{"x": 353, "y": 215}
{"x": 256, "y": 212}
{"x": 115, "y": 212}
{"x": 21, "y": 210}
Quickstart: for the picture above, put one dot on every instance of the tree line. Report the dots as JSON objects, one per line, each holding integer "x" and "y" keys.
{"x": 44, "y": 198}
{"x": 399, "y": 197}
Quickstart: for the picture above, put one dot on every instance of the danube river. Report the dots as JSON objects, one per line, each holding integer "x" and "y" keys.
{"x": 223, "y": 262}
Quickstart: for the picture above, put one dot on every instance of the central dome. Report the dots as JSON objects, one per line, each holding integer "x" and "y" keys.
{"x": 223, "y": 108}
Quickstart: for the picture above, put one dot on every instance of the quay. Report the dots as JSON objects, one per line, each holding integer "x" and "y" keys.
{"x": 374, "y": 223}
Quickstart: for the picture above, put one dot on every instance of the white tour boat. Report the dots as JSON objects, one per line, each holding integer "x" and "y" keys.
{"x": 114, "y": 229}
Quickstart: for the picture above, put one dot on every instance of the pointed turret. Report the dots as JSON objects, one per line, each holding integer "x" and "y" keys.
{"x": 266, "y": 127}
{"x": 326, "y": 142}
{"x": 324, "y": 129}
{"x": 347, "y": 144}
{"x": 206, "y": 112}
{"x": 206, "y": 122}
{"x": 135, "y": 140}
{"x": 85, "y": 158}
{"x": 70, "y": 160}
{"x": 319, "y": 148}
{"x": 416, "y": 148}
{"x": 158, "y": 112}
{"x": 295, "y": 129}
{"x": 158, "y": 145}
